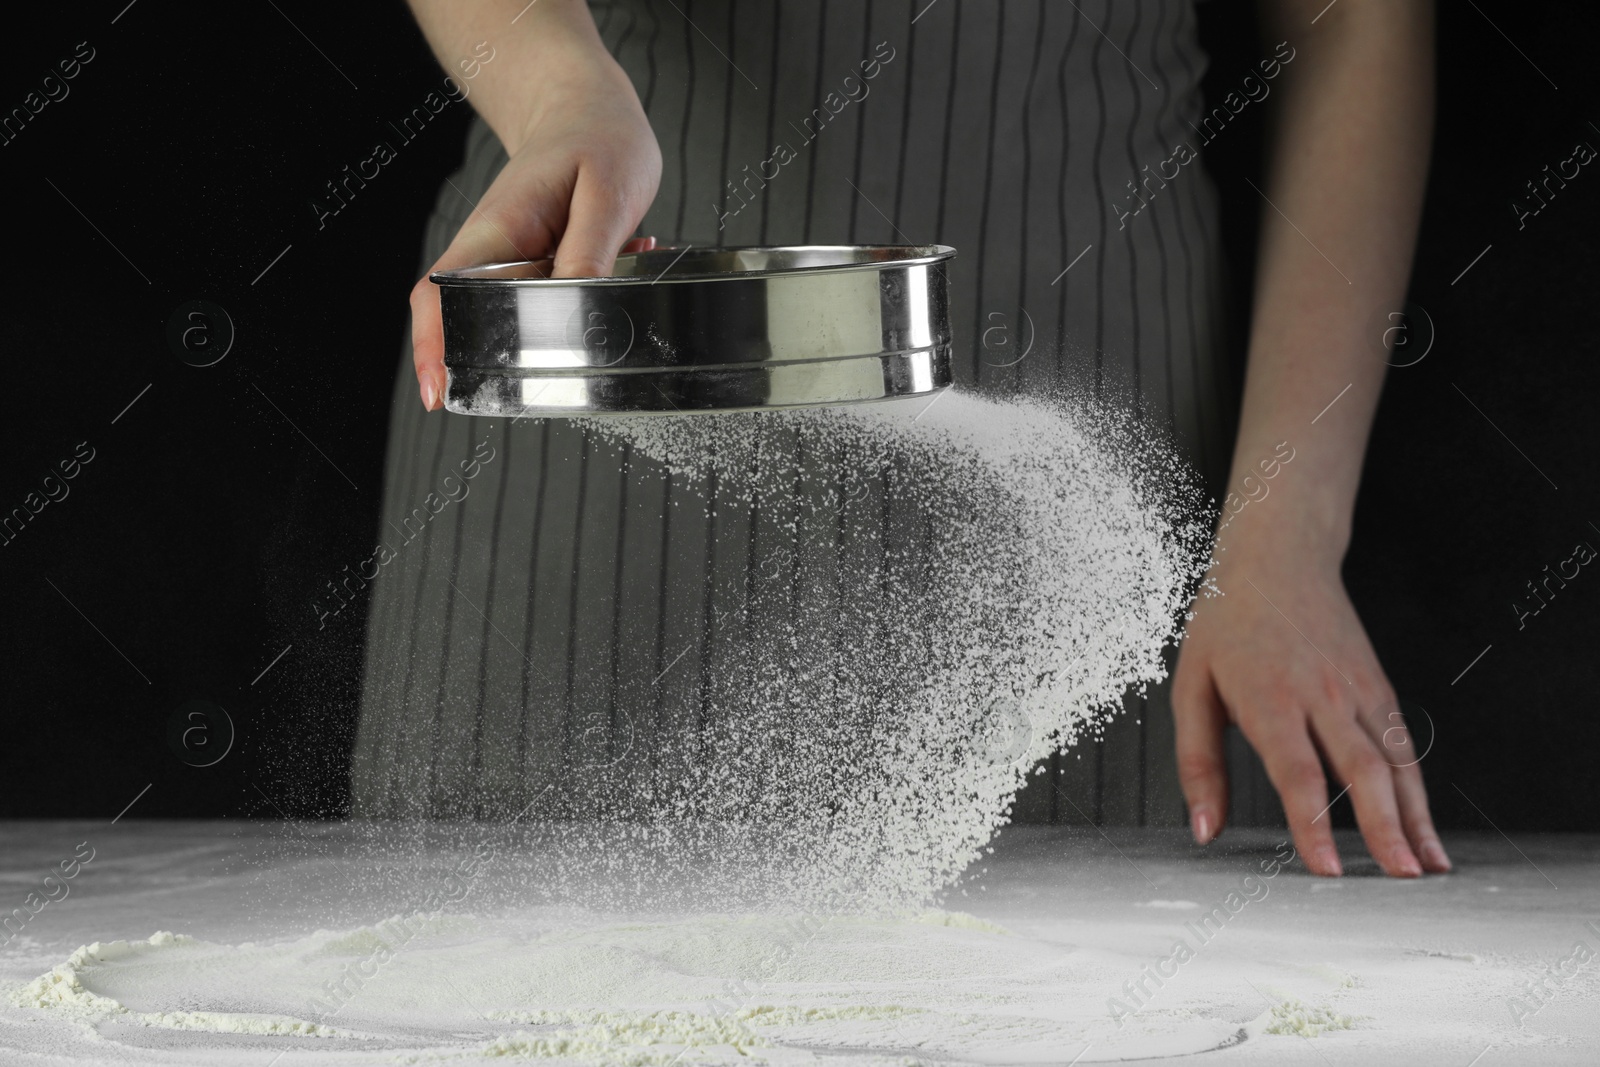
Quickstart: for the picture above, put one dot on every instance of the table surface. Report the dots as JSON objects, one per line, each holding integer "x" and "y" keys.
{"x": 1066, "y": 945}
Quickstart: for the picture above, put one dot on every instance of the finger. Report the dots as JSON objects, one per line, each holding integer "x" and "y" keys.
{"x": 1418, "y": 821}
{"x": 598, "y": 223}
{"x": 427, "y": 343}
{"x": 481, "y": 240}
{"x": 639, "y": 244}
{"x": 1200, "y": 720}
{"x": 1357, "y": 761}
{"x": 1283, "y": 740}
{"x": 1393, "y": 739}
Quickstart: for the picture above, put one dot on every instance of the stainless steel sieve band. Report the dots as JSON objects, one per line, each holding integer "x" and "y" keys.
{"x": 699, "y": 330}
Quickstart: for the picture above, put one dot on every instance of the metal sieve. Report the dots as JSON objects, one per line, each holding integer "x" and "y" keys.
{"x": 690, "y": 330}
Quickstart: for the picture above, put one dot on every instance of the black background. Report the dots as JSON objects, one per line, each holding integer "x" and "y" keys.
{"x": 183, "y": 162}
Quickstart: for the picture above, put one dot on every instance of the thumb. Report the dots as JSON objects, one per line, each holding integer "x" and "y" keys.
{"x": 600, "y": 221}
{"x": 481, "y": 240}
{"x": 1199, "y": 720}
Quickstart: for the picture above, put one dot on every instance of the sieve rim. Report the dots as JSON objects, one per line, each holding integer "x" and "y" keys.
{"x": 879, "y": 258}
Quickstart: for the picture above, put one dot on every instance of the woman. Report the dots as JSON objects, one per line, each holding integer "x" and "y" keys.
{"x": 1055, "y": 145}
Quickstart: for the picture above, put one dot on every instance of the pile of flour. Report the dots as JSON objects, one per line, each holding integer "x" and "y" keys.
{"x": 994, "y": 576}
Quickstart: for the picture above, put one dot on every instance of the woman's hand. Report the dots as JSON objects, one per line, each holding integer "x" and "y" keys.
{"x": 583, "y": 171}
{"x": 1281, "y": 652}
{"x": 1283, "y": 655}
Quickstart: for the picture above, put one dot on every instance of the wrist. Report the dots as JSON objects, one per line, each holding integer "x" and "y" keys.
{"x": 572, "y": 78}
{"x": 553, "y": 53}
{"x": 1291, "y": 489}
{"x": 1282, "y": 537}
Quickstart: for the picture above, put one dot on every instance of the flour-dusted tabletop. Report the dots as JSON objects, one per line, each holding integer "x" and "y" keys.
{"x": 332, "y": 943}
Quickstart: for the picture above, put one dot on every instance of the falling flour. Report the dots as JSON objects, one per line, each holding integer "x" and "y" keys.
{"x": 961, "y": 588}
{"x": 953, "y": 595}
{"x": 899, "y": 610}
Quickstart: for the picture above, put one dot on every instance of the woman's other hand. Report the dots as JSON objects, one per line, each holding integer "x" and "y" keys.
{"x": 1282, "y": 654}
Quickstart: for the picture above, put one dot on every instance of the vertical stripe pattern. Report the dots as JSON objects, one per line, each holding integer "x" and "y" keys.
{"x": 578, "y": 603}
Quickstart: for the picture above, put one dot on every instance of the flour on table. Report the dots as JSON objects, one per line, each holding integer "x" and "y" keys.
{"x": 1302, "y": 1020}
{"x": 625, "y": 991}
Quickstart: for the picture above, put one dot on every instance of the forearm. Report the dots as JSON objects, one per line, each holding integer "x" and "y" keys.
{"x": 537, "y": 47}
{"x": 1345, "y": 180}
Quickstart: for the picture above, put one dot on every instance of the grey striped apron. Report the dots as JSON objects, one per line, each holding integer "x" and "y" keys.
{"x": 570, "y": 597}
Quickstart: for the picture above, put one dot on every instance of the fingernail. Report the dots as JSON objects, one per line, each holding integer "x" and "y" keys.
{"x": 1200, "y": 823}
{"x": 429, "y": 393}
{"x": 1407, "y": 864}
{"x": 1433, "y": 855}
{"x": 1328, "y": 862}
